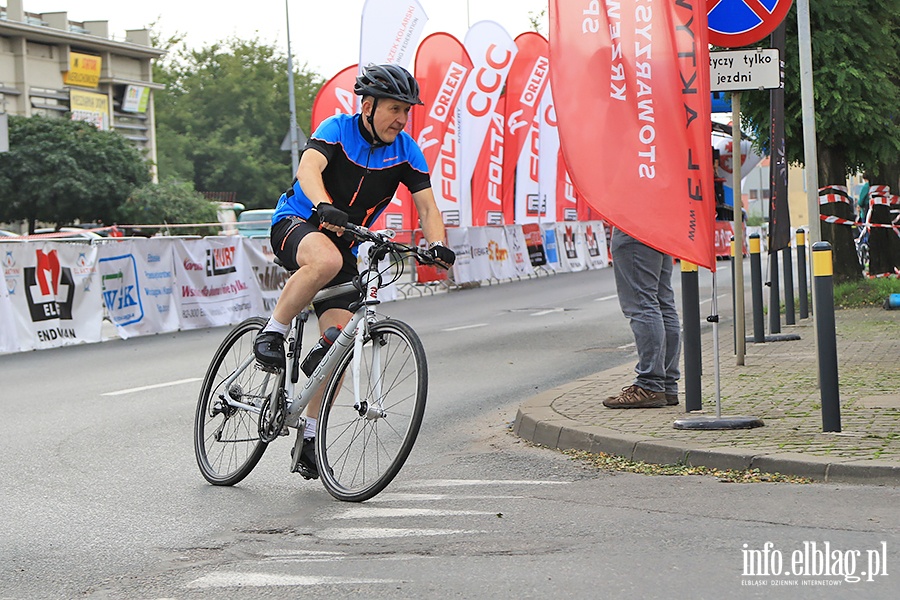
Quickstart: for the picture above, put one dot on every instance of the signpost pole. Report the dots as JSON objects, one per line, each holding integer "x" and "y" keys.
{"x": 807, "y": 100}
{"x": 740, "y": 340}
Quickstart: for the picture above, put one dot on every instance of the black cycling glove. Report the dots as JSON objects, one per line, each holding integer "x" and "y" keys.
{"x": 331, "y": 215}
{"x": 443, "y": 255}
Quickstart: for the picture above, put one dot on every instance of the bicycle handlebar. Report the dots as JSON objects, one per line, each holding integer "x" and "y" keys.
{"x": 382, "y": 241}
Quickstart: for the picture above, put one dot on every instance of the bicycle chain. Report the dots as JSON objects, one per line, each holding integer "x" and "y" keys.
{"x": 272, "y": 421}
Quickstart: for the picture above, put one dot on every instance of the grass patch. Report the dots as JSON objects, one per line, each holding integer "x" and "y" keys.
{"x": 865, "y": 292}
{"x": 608, "y": 462}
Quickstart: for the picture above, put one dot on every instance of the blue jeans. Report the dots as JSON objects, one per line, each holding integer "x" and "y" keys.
{"x": 644, "y": 285}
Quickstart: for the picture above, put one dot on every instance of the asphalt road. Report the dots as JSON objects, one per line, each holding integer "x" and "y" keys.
{"x": 101, "y": 497}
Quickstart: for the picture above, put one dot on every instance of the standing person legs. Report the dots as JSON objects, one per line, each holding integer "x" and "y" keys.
{"x": 672, "y": 326}
{"x": 637, "y": 269}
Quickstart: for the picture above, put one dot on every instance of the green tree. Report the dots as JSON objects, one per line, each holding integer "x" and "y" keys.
{"x": 855, "y": 46}
{"x": 857, "y": 104}
{"x": 224, "y": 114}
{"x": 171, "y": 202}
{"x": 61, "y": 171}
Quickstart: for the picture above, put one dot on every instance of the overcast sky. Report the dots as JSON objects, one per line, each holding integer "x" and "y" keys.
{"x": 324, "y": 33}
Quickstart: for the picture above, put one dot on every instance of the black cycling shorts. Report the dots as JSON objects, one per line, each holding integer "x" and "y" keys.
{"x": 286, "y": 235}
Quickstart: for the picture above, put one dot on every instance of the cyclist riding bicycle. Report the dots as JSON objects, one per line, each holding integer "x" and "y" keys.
{"x": 349, "y": 171}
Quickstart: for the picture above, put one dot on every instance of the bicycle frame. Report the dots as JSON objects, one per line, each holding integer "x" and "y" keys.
{"x": 354, "y": 332}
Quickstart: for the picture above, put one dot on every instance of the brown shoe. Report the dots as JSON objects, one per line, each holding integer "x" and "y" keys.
{"x": 671, "y": 399}
{"x": 636, "y": 397}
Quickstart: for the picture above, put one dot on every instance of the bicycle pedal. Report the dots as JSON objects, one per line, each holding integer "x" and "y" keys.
{"x": 267, "y": 368}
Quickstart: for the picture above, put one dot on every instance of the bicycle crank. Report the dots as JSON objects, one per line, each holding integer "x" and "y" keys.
{"x": 271, "y": 420}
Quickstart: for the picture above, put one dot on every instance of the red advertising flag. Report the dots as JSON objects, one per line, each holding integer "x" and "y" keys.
{"x": 487, "y": 178}
{"x": 634, "y": 120}
{"x": 336, "y": 97}
{"x": 525, "y": 85}
{"x": 442, "y": 66}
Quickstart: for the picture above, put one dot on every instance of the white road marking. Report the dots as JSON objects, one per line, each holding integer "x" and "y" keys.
{"x": 605, "y": 298}
{"x": 719, "y": 297}
{"x": 364, "y": 512}
{"x": 480, "y": 482}
{"x": 237, "y": 579}
{"x": 407, "y": 497}
{"x": 461, "y": 327}
{"x": 152, "y": 387}
{"x": 372, "y": 533}
{"x": 541, "y": 313}
{"x": 626, "y": 346}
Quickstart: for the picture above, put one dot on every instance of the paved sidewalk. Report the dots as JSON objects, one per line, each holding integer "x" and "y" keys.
{"x": 777, "y": 383}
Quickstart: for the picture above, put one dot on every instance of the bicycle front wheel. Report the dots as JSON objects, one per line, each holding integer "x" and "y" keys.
{"x": 361, "y": 445}
{"x": 226, "y": 436}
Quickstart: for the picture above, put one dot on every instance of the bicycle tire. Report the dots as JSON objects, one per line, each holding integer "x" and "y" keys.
{"x": 358, "y": 455}
{"x": 226, "y": 439}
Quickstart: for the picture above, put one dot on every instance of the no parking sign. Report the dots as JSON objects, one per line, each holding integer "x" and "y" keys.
{"x": 736, "y": 23}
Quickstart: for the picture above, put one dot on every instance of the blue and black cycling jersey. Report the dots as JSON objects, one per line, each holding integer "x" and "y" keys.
{"x": 361, "y": 177}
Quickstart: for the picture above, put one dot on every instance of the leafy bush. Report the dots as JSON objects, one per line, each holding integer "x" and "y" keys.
{"x": 170, "y": 202}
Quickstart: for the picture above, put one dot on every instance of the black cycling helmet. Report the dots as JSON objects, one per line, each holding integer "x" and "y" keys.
{"x": 388, "y": 81}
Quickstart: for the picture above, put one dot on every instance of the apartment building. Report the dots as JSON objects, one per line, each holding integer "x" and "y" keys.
{"x": 55, "y": 67}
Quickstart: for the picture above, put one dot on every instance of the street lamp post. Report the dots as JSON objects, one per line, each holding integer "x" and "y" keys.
{"x": 295, "y": 146}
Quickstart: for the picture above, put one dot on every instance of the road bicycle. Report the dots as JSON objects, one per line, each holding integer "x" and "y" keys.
{"x": 375, "y": 379}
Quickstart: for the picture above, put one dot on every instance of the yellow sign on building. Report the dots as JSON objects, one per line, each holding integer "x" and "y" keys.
{"x": 90, "y": 107}
{"x": 84, "y": 70}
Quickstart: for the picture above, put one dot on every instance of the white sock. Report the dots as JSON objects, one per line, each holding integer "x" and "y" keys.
{"x": 273, "y": 325}
{"x": 310, "y": 430}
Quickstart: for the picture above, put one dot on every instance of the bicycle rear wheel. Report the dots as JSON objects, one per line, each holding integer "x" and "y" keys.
{"x": 360, "y": 449}
{"x": 226, "y": 438}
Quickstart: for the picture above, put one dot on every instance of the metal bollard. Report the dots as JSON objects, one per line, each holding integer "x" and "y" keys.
{"x": 690, "y": 309}
{"x": 759, "y": 326}
{"x": 774, "y": 295}
{"x": 801, "y": 274}
{"x": 827, "y": 341}
{"x": 789, "y": 316}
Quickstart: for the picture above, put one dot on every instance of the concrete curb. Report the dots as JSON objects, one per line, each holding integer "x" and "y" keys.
{"x": 537, "y": 422}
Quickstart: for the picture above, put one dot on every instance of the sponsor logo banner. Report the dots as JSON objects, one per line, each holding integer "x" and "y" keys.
{"x": 54, "y": 294}
{"x": 137, "y": 279}
{"x": 215, "y": 284}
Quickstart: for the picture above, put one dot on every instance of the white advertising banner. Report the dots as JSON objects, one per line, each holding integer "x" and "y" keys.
{"x": 492, "y": 51}
{"x": 269, "y": 276}
{"x": 54, "y": 292}
{"x": 595, "y": 243}
{"x": 572, "y": 247}
{"x": 216, "y": 285}
{"x": 137, "y": 280}
{"x": 9, "y": 341}
{"x": 471, "y": 261}
{"x": 390, "y": 31}
{"x": 518, "y": 251}
{"x": 499, "y": 259}
{"x": 548, "y": 155}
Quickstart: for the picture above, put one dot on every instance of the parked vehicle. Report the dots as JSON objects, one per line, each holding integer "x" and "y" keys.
{"x": 255, "y": 223}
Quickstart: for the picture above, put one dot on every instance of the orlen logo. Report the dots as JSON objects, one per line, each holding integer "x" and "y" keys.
{"x": 532, "y": 92}
{"x": 220, "y": 261}
{"x": 49, "y": 288}
{"x": 487, "y": 82}
{"x": 450, "y": 87}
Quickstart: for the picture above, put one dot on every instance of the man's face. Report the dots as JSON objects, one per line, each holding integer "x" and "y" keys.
{"x": 390, "y": 118}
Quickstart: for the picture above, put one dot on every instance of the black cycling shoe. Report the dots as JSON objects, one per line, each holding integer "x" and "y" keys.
{"x": 269, "y": 350}
{"x": 306, "y": 466}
